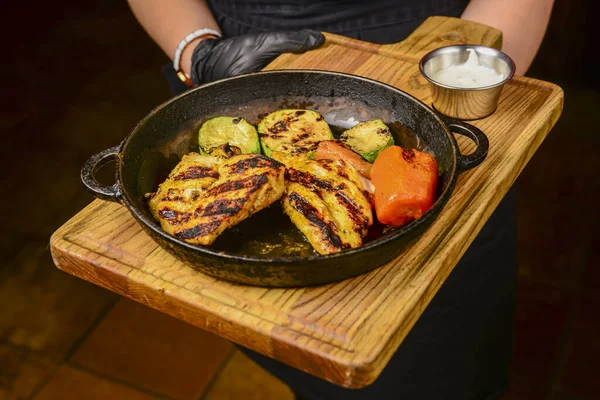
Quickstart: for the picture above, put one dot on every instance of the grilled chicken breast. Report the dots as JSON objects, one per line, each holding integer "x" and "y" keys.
{"x": 325, "y": 200}
{"x": 240, "y": 186}
{"x": 174, "y": 201}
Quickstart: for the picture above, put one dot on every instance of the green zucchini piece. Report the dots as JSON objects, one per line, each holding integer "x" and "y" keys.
{"x": 225, "y": 151}
{"x": 293, "y": 132}
{"x": 236, "y": 132}
{"x": 368, "y": 138}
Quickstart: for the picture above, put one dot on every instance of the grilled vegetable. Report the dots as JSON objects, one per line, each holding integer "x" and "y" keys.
{"x": 325, "y": 200}
{"x": 368, "y": 138}
{"x": 235, "y": 132}
{"x": 335, "y": 150}
{"x": 405, "y": 182}
{"x": 293, "y": 132}
{"x": 225, "y": 151}
{"x": 200, "y": 200}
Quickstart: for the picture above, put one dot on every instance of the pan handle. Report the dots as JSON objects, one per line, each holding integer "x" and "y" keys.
{"x": 89, "y": 169}
{"x": 466, "y": 162}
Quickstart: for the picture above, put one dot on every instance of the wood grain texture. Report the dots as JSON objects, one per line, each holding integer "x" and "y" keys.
{"x": 344, "y": 332}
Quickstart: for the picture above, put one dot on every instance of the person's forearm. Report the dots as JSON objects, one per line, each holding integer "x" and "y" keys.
{"x": 523, "y": 25}
{"x": 169, "y": 21}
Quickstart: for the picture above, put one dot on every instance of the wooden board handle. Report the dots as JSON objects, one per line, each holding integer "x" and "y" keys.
{"x": 437, "y": 32}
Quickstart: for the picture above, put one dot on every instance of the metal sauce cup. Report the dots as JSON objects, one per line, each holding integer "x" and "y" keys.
{"x": 465, "y": 103}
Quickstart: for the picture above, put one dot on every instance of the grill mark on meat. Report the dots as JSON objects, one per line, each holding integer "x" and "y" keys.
{"x": 195, "y": 195}
{"x": 225, "y": 207}
{"x": 304, "y": 207}
{"x": 174, "y": 217}
{"x": 196, "y": 172}
{"x": 360, "y": 221}
{"x": 341, "y": 171}
{"x": 254, "y": 162}
{"x": 199, "y": 230}
{"x": 339, "y": 167}
{"x": 254, "y": 182}
{"x": 309, "y": 180}
{"x": 173, "y": 195}
{"x": 178, "y": 195}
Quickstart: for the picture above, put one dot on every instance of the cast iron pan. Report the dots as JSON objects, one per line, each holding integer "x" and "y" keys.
{"x": 266, "y": 249}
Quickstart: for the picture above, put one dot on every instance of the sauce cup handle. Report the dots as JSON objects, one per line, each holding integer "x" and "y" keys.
{"x": 89, "y": 169}
{"x": 466, "y": 162}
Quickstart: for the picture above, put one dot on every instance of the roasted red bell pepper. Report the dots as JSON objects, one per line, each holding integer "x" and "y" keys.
{"x": 405, "y": 181}
{"x": 331, "y": 149}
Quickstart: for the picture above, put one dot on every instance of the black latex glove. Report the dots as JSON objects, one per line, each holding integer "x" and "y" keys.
{"x": 221, "y": 58}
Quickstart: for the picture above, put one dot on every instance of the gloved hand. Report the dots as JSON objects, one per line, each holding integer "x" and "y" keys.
{"x": 221, "y": 58}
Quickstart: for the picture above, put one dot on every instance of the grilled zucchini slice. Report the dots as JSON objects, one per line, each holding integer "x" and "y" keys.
{"x": 235, "y": 132}
{"x": 368, "y": 138}
{"x": 293, "y": 132}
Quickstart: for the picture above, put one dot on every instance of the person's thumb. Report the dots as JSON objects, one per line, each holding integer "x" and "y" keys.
{"x": 291, "y": 42}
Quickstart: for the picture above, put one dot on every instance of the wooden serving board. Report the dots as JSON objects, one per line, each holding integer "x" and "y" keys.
{"x": 344, "y": 332}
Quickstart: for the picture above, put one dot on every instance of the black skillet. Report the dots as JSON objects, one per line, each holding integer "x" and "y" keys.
{"x": 266, "y": 249}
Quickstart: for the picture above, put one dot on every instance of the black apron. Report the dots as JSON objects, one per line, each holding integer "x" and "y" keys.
{"x": 461, "y": 347}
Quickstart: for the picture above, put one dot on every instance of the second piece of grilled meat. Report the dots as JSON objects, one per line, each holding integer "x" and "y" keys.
{"x": 240, "y": 186}
{"x": 325, "y": 200}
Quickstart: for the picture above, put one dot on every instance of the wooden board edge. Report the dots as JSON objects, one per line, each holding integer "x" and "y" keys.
{"x": 382, "y": 352}
{"x": 259, "y": 333}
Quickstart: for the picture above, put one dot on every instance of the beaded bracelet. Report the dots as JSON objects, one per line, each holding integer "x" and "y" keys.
{"x": 182, "y": 45}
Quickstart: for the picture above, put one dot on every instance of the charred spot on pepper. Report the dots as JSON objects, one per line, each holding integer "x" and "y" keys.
{"x": 408, "y": 155}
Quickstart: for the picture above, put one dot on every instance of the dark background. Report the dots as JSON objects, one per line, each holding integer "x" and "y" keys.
{"x": 77, "y": 77}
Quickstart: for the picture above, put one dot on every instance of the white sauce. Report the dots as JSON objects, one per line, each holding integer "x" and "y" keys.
{"x": 471, "y": 74}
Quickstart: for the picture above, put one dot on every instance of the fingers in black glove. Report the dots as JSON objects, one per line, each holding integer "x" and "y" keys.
{"x": 221, "y": 58}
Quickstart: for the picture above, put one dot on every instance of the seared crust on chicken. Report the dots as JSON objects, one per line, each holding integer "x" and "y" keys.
{"x": 325, "y": 200}
{"x": 243, "y": 185}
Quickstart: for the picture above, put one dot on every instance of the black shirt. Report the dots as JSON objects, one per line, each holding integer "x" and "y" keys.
{"x": 377, "y": 21}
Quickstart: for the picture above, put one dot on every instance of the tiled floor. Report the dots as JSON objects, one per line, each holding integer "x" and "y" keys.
{"x": 77, "y": 81}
